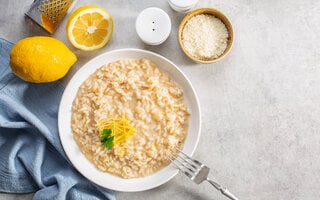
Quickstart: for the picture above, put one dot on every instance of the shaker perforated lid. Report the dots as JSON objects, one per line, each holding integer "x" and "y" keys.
{"x": 153, "y": 26}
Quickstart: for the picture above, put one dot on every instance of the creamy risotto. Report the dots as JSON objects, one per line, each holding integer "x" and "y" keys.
{"x": 152, "y": 102}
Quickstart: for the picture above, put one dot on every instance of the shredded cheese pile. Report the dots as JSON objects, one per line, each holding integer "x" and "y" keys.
{"x": 120, "y": 128}
{"x": 205, "y": 37}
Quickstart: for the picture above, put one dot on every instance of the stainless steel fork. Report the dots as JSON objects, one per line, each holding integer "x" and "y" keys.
{"x": 197, "y": 172}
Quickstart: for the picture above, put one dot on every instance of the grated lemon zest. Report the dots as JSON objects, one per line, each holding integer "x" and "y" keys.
{"x": 121, "y": 129}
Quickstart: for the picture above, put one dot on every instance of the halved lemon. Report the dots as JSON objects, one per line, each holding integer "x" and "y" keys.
{"x": 89, "y": 28}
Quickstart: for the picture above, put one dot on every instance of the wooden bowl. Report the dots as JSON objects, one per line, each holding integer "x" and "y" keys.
{"x": 217, "y": 14}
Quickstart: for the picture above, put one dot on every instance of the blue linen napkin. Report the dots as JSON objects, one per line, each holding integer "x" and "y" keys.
{"x": 31, "y": 156}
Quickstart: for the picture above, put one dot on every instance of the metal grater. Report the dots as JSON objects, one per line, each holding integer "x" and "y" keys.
{"x": 49, "y": 13}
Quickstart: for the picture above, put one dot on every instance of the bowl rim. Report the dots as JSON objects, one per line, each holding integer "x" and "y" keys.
{"x": 218, "y": 14}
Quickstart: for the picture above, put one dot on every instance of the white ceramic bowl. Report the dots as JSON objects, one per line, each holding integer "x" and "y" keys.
{"x": 84, "y": 166}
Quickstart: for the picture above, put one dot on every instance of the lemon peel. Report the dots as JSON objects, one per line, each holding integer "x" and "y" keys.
{"x": 120, "y": 128}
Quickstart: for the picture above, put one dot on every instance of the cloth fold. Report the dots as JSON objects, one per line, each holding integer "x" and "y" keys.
{"x": 31, "y": 156}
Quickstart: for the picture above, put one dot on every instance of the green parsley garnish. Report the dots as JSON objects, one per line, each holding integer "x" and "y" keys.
{"x": 106, "y": 138}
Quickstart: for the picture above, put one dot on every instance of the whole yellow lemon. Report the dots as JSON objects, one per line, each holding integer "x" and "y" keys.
{"x": 41, "y": 59}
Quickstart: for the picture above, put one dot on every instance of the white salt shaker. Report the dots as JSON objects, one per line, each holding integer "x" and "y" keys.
{"x": 153, "y": 26}
{"x": 182, "y": 5}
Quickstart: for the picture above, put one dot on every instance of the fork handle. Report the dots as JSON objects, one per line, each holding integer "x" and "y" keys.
{"x": 223, "y": 190}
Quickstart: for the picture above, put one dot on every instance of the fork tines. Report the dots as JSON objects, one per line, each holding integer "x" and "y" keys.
{"x": 185, "y": 163}
{"x": 196, "y": 171}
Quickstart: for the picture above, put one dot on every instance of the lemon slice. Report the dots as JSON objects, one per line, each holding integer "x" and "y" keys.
{"x": 89, "y": 28}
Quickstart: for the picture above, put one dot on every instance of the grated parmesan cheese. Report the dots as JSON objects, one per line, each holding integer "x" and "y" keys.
{"x": 205, "y": 37}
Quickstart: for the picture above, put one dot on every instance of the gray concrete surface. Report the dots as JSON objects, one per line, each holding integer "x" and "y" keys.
{"x": 260, "y": 104}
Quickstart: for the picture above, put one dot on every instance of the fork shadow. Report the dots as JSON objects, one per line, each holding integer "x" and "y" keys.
{"x": 193, "y": 193}
{"x": 188, "y": 190}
